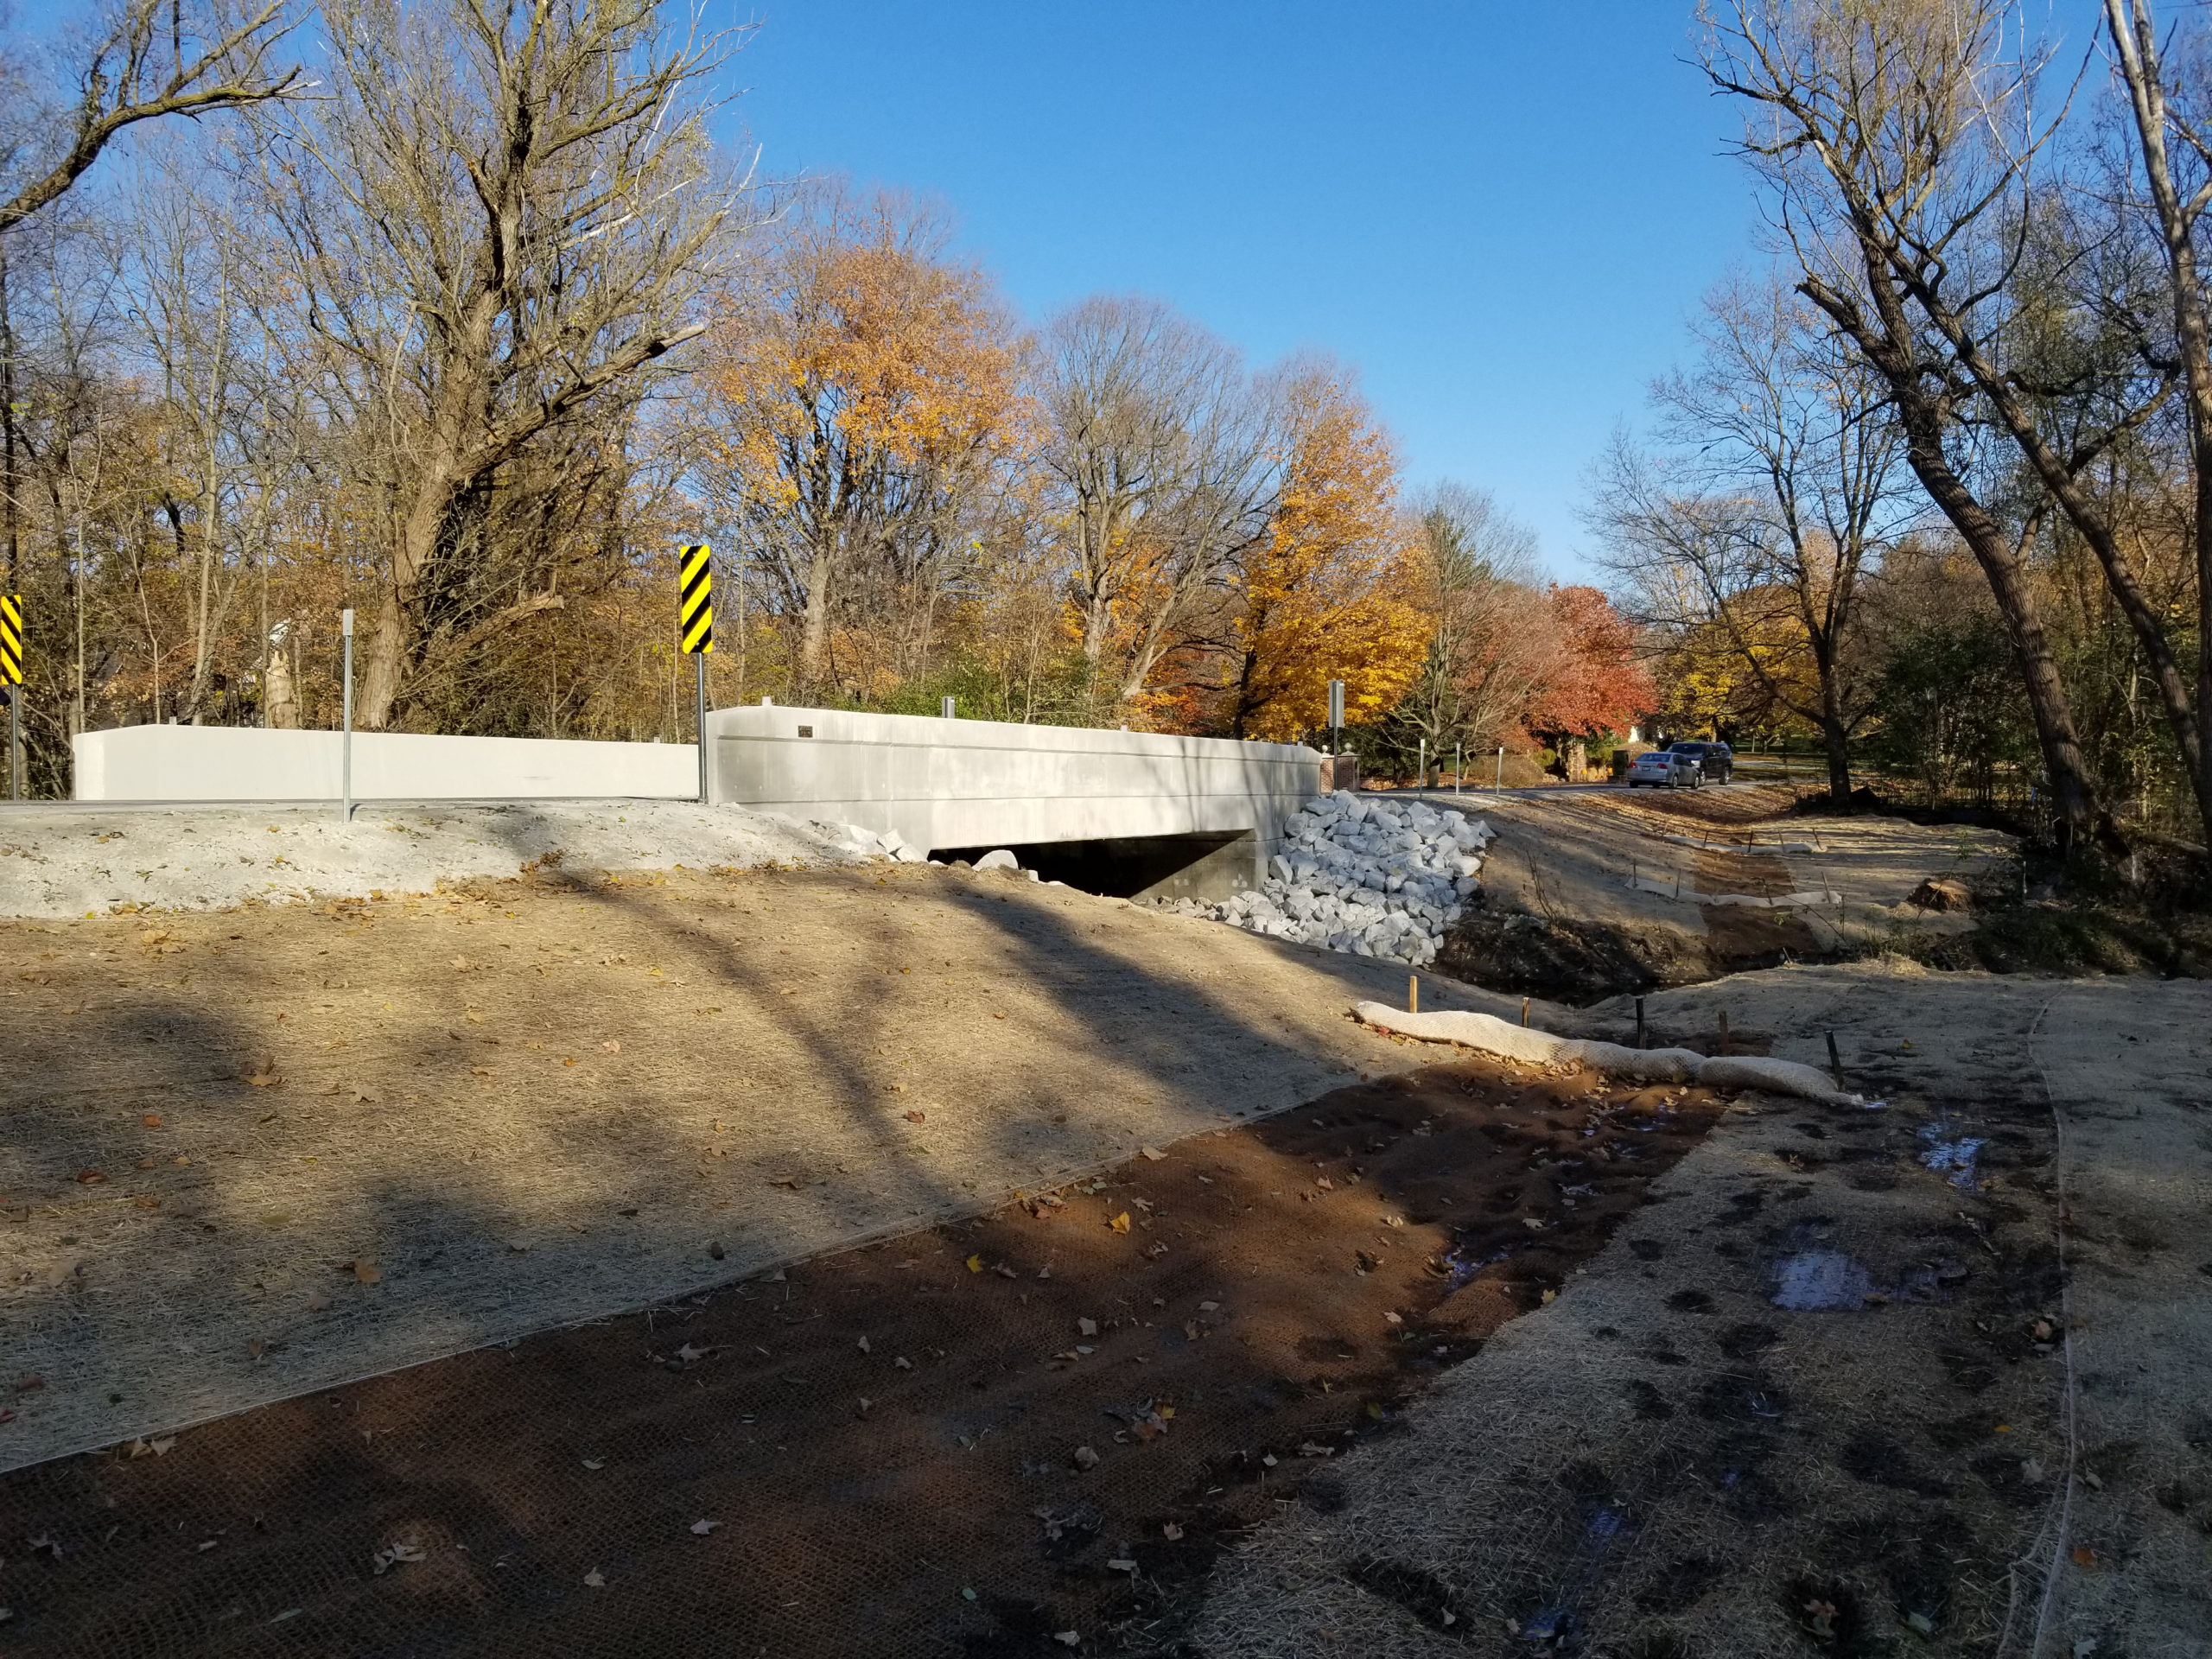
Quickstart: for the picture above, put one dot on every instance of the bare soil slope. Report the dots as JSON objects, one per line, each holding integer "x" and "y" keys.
{"x": 248, "y": 1154}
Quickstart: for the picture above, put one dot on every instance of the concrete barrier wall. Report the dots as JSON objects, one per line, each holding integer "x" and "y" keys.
{"x": 975, "y": 783}
{"x": 229, "y": 763}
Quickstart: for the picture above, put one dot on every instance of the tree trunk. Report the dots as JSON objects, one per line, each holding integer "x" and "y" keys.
{"x": 814, "y": 625}
{"x": 1889, "y": 347}
{"x": 1839, "y": 747}
{"x": 2072, "y": 796}
{"x": 2137, "y": 47}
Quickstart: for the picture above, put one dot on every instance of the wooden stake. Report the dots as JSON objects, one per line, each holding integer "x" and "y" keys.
{"x": 1524, "y": 1010}
{"x": 1835, "y": 1063}
{"x": 1412, "y": 995}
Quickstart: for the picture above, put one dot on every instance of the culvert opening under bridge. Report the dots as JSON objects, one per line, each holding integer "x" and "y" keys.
{"x": 1202, "y": 866}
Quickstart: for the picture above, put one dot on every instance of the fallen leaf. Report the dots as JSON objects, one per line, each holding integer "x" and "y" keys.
{"x": 1086, "y": 1327}
{"x": 1066, "y": 1638}
{"x": 863, "y": 1345}
{"x": 975, "y": 1264}
{"x": 916, "y": 1116}
{"x": 368, "y": 1272}
{"x": 29, "y": 1382}
{"x": 160, "y": 1448}
{"x": 2084, "y": 1556}
{"x": 702, "y": 1527}
{"x": 1121, "y": 1223}
{"x": 264, "y": 1079}
{"x": 318, "y": 1304}
{"x": 595, "y": 1579}
{"x": 714, "y": 1250}
{"x": 1150, "y": 1155}
{"x": 385, "y": 1558}
{"x": 1170, "y": 1531}
{"x": 1085, "y": 1457}
{"x": 90, "y": 1177}
{"x": 611, "y": 1046}
{"x": 904, "y": 1363}
{"x": 152, "y": 1120}
{"x": 1123, "y": 1565}
{"x": 594, "y": 1463}
{"x": 472, "y": 1017}
{"x": 1393, "y": 1319}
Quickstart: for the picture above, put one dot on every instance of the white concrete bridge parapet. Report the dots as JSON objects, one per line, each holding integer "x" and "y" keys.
{"x": 946, "y": 785}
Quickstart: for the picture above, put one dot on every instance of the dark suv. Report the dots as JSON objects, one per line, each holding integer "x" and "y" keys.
{"x": 1715, "y": 761}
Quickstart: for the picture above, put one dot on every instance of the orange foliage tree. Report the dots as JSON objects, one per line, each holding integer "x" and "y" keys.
{"x": 863, "y": 393}
{"x": 1323, "y": 596}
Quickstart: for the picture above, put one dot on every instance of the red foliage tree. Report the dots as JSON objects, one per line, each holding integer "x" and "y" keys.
{"x": 1596, "y": 684}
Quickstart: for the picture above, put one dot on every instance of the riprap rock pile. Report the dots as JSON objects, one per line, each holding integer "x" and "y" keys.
{"x": 1365, "y": 876}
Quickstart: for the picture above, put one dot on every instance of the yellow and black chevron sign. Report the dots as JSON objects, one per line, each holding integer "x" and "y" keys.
{"x": 11, "y": 639}
{"x": 695, "y": 610}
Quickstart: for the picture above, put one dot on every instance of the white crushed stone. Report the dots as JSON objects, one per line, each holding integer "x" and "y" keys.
{"x": 67, "y": 862}
{"x": 1367, "y": 877}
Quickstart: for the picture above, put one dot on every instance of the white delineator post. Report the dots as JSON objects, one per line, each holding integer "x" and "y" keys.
{"x": 1336, "y": 726}
{"x": 1501, "y": 766}
{"x": 346, "y": 747}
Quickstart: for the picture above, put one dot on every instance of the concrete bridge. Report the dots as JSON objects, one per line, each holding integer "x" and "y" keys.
{"x": 1112, "y": 812}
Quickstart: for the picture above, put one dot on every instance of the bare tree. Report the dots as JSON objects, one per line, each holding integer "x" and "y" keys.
{"x": 1777, "y": 492}
{"x": 2179, "y": 189}
{"x": 1164, "y": 459}
{"x": 500, "y": 214}
{"x": 1873, "y": 123}
{"x": 1490, "y": 657}
{"x": 148, "y": 58}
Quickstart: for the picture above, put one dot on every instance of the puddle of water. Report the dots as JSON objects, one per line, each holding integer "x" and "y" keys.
{"x": 1953, "y": 1156}
{"x": 1821, "y": 1279}
{"x": 1465, "y": 1264}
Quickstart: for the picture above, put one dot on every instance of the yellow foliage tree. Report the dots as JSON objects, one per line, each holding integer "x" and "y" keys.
{"x": 1322, "y": 594}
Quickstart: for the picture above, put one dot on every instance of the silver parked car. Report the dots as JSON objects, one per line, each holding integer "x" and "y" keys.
{"x": 1665, "y": 768}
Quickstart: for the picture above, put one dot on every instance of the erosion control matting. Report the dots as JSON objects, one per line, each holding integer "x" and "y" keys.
{"x": 1028, "y": 1434}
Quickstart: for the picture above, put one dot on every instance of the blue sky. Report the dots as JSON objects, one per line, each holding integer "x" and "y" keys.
{"x": 1499, "y": 215}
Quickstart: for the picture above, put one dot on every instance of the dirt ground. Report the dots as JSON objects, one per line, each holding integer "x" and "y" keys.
{"x": 1561, "y": 914}
{"x": 1927, "y": 1379}
{"x": 252, "y": 1153}
{"x": 964, "y": 1440}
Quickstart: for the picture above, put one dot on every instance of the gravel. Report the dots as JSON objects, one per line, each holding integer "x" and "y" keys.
{"x": 64, "y": 862}
{"x": 1366, "y": 877}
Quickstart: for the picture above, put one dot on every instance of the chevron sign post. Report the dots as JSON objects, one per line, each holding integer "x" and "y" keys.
{"x": 695, "y": 624}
